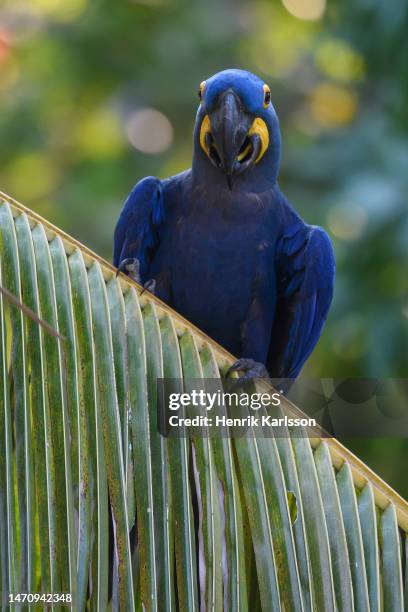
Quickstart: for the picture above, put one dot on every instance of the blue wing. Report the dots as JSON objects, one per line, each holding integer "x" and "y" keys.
{"x": 136, "y": 233}
{"x": 306, "y": 269}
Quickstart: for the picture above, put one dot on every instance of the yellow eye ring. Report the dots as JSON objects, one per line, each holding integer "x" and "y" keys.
{"x": 267, "y": 96}
{"x": 201, "y": 90}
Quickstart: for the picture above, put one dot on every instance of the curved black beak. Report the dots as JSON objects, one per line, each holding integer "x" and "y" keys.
{"x": 229, "y": 133}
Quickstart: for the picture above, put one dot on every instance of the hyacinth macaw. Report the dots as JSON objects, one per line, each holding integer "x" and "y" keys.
{"x": 221, "y": 244}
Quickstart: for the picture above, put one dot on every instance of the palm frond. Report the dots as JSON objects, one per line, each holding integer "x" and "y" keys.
{"x": 95, "y": 503}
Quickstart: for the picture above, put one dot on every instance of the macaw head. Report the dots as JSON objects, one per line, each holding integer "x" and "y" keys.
{"x": 237, "y": 129}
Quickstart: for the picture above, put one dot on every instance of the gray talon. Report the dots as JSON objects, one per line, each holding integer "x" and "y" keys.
{"x": 131, "y": 267}
{"x": 251, "y": 369}
{"x": 149, "y": 286}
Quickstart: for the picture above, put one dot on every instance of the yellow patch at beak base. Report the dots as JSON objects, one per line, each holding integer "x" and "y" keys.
{"x": 259, "y": 127}
{"x": 205, "y": 127}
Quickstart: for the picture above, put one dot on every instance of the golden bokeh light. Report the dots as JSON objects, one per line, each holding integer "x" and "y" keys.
{"x": 280, "y": 43}
{"x": 338, "y": 60}
{"x": 347, "y": 222}
{"x": 9, "y": 74}
{"x": 99, "y": 134}
{"x": 149, "y": 131}
{"x": 31, "y": 176}
{"x": 332, "y": 106}
{"x": 58, "y": 10}
{"x": 305, "y": 9}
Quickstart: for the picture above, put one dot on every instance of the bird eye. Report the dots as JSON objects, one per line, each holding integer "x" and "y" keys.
{"x": 201, "y": 90}
{"x": 267, "y": 96}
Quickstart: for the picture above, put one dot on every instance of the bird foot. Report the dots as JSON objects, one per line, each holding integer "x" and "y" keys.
{"x": 149, "y": 286}
{"x": 131, "y": 267}
{"x": 252, "y": 369}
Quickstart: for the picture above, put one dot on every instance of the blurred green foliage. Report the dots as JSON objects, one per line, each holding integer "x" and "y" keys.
{"x": 75, "y": 75}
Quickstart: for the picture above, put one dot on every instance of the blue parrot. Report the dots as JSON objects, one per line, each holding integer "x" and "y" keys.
{"x": 221, "y": 244}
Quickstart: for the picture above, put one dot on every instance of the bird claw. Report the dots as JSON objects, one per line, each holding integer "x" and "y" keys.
{"x": 249, "y": 366}
{"x": 131, "y": 267}
{"x": 252, "y": 369}
{"x": 149, "y": 286}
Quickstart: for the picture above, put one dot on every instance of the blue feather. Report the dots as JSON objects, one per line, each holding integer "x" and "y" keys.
{"x": 136, "y": 231}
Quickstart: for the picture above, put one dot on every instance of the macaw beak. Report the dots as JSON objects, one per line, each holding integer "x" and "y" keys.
{"x": 228, "y": 142}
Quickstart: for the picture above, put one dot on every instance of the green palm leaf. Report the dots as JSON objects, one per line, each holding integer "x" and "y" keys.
{"x": 95, "y": 503}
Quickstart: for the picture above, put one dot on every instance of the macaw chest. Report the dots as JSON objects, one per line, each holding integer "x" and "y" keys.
{"x": 217, "y": 270}
{"x": 233, "y": 253}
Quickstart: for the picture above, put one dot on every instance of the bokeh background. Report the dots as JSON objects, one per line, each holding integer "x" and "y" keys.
{"x": 95, "y": 95}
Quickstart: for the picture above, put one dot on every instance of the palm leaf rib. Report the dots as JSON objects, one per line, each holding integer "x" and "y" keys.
{"x": 95, "y": 503}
